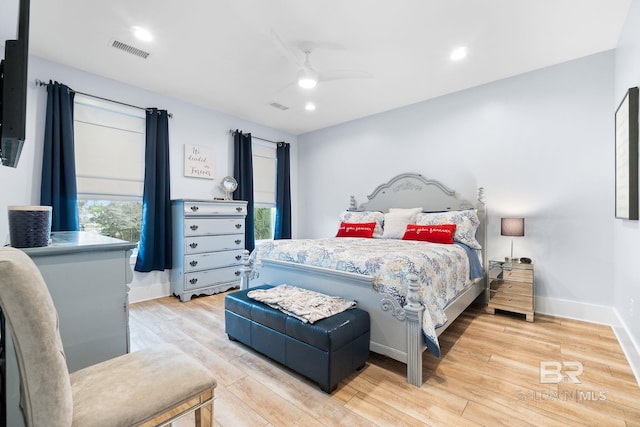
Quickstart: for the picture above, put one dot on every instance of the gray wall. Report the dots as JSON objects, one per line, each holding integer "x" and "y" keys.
{"x": 540, "y": 143}
{"x": 626, "y": 288}
{"x": 191, "y": 124}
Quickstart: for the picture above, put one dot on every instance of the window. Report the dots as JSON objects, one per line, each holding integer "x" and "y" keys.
{"x": 265, "y": 222}
{"x": 264, "y": 189}
{"x": 109, "y": 152}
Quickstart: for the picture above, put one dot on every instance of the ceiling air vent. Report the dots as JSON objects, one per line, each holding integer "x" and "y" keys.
{"x": 130, "y": 49}
{"x": 279, "y": 106}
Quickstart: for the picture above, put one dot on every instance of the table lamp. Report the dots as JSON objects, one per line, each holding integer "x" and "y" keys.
{"x": 512, "y": 227}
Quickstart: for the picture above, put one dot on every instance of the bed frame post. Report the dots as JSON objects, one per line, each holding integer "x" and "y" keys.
{"x": 245, "y": 271}
{"x": 414, "y": 311}
{"x": 482, "y": 232}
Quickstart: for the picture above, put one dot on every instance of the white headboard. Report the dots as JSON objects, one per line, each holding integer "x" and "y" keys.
{"x": 411, "y": 190}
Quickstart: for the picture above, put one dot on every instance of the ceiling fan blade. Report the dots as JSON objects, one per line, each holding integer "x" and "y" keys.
{"x": 344, "y": 74}
{"x": 293, "y": 55}
{"x": 283, "y": 88}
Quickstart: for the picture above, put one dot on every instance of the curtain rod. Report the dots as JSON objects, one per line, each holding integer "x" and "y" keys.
{"x": 233, "y": 132}
{"x": 41, "y": 83}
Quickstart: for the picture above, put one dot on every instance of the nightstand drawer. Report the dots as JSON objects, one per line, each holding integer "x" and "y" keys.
{"x": 518, "y": 275}
{"x": 511, "y": 302}
{"x": 512, "y": 287}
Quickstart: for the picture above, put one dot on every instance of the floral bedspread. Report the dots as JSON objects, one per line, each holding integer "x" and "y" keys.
{"x": 443, "y": 270}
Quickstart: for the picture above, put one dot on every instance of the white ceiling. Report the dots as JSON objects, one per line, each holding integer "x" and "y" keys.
{"x": 220, "y": 53}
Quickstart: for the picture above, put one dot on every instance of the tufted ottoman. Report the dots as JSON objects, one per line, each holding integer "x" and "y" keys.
{"x": 326, "y": 351}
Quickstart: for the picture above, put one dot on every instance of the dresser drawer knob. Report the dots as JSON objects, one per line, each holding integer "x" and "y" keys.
{"x": 238, "y": 225}
{"x": 238, "y": 257}
{"x": 194, "y": 227}
{"x": 193, "y": 245}
{"x": 193, "y": 281}
{"x": 238, "y": 209}
{"x": 238, "y": 241}
{"x": 193, "y": 263}
{"x": 237, "y": 273}
{"x": 194, "y": 208}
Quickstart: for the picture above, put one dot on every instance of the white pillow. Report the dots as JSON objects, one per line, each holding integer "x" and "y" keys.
{"x": 466, "y": 222}
{"x": 396, "y": 221}
{"x": 365, "y": 216}
{"x": 414, "y": 210}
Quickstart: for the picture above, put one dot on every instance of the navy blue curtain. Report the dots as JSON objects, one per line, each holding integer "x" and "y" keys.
{"x": 243, "y": 173}
{"x": 283, "y": 193}
{"x": 58, "y": 184}
{"x": 155, "y": 251}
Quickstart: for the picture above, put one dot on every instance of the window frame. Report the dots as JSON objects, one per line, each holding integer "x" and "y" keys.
{"x": 266, "y": 153}
{"x": 109, "y": 118}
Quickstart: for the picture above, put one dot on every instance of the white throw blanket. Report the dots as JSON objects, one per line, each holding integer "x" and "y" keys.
{"x": 303, "y": 304}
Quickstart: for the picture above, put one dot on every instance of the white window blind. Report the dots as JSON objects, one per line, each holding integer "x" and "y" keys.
{"x": 264, "y": 174}
{"x": 109, "y": 150}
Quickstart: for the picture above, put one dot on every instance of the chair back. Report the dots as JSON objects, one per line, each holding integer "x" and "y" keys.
{"x": 32, "y": 319}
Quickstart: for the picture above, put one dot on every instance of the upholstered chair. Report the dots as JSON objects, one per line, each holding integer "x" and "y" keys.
{"x": 152, "y": 386}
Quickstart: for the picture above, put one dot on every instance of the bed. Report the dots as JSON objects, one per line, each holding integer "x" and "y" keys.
{"x": 400, "y": 326}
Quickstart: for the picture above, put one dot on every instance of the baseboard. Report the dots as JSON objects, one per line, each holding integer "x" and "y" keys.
{"x": 629, "y": 346}
{"x": 595, "y": 314}
{"x": 577, "y": 310}
{"x": 148, "y": 292}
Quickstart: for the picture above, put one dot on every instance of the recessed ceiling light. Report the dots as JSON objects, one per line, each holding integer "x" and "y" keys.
{"x": 142, "y": 34}
{"x": 310, "y": 106}
{"x": 458, "y": 53}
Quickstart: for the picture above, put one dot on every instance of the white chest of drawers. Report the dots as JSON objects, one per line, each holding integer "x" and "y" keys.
{"x": 208, "y": 242}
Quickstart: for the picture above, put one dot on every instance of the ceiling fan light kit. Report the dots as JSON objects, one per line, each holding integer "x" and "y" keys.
{"x": 307, "y": 79}
{"x": 307, "y": 76}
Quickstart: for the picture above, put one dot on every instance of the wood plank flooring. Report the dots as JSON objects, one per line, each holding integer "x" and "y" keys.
{"x": 489, "y": 374}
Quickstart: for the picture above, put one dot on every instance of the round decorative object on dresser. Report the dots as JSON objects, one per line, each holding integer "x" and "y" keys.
{"x": 29, "y": 226}
{"x": 229, "y": 185}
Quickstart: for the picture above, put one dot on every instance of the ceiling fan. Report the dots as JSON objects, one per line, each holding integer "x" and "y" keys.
{"x": 308, "y": 77}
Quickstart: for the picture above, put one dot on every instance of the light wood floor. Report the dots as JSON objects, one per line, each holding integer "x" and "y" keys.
{"x": 489, "y": 374}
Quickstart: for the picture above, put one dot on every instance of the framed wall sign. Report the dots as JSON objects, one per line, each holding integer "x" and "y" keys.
{"x": 627, "y": 156}
{"x": 198, "y": 162}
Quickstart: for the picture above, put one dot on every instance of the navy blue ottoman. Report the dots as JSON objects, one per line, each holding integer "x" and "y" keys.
{"x": 326, "y": 351}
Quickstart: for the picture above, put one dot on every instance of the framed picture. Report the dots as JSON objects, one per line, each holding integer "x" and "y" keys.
{"x": 198, "y": 162}
{"x": 627, "y": 156}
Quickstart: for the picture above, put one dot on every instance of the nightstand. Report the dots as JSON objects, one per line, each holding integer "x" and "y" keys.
{"x": 511, "y": 288}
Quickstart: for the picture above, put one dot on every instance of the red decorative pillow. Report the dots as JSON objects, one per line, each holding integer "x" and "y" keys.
{"x": 359, "y": 229}
{"x": 442, "y": 233}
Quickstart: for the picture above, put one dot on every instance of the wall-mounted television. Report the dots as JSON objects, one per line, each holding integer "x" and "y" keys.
{"x": 13, "y": 91}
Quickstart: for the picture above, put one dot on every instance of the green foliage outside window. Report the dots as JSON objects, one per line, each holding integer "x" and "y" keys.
{"x": 121, "y": 220}
{"x": 262, "y": 226}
